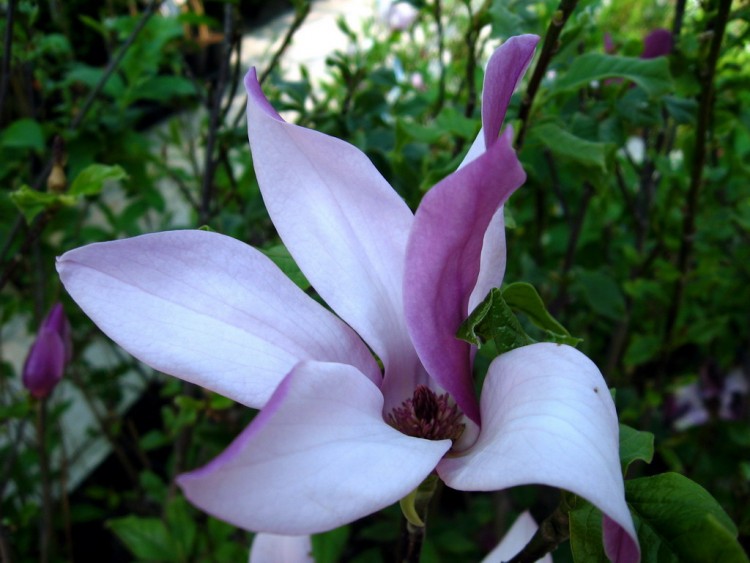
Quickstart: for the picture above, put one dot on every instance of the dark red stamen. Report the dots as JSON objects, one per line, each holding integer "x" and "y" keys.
{"x": 428, "y": 415}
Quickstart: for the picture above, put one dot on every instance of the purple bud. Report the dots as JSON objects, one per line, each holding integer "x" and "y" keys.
{"x": 658, "y": 43}
{"x": 49, "y": 354}
{"x": 609, "y": 44}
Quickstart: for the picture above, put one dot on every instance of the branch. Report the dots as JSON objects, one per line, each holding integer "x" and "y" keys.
{"x": 7, "y": 50}
{"x": 552, "y": 532}
{"x": 300, "y": 14}
{"x": 213, "y": 127}
{"x": 549, "y": 48}
{"x": 705, "y": 108}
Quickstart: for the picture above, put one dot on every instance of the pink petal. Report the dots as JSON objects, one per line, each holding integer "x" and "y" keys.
{"x": 270, "y": 548}
{"x": 443, "y": 259}
{"x": 547, "y": 418}
{"x": 618, "y": 545}
{"x": 658, "y": 43}
{"x": 318, "y": 456}
{"x": 208, "y": 309}
{"x": 342, "y": 222}
{"x": 505, "y": 69}
{"x": 515, "y": 539}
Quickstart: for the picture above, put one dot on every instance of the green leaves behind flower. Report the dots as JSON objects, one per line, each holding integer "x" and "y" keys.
{"x": 89, "y": 181}
{"x": 494, "y": 319}
{"x": 675, "y": 518}
{"x": 650, "y": 74}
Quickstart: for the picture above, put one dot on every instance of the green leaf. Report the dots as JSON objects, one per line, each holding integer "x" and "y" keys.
{"x": 585, "y": 523}
{"x": 182, "y": 527}
{"x": 146, "y": 538}
{"x": 494, "y": 320}
{"x": 164, "y": 88}
{"x": 602, "y": 293}
{"x": 23, "y": 134}
{"x": 280, "y": 256}
{"x": 523, "y": 298}
{"x": 31, "y": 202}
{"x": 329, "y": 546}
{"x": 635, "y": 445}
{"x": 566, "y": 145}
{"x": 678, "y": 519}
{"x": 650, "y": 74}
{"x": 90, "y": 180}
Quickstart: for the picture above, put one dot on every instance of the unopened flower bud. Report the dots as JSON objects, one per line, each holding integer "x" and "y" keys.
{"x": 56, "y": 181}
{"x": 49, "y": 354}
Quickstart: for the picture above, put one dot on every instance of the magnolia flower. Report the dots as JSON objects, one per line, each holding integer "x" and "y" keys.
{"x": 49, "y": 354}
{"x": 337, "y": 437}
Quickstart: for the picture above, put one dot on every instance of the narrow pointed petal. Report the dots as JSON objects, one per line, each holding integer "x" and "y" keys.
{"x": 318, "y": 456}
{"x": 515, "y": 539}
{"x": 271, "y": 548}
{"x": 547, "y": 418}
{"x": 505, "y": 69}
{"x": 443, "y": 260}
{"x": 208, "y": 309}
{"x": 342, "y": 222}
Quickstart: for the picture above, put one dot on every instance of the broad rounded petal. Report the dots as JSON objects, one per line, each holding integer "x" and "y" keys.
{"x": 318, "y": 456}
{"x": 443, "y": 260}
{"x": 515, "y": 539}
{"x": 270, "y": 548}
{"x": 342, "y": 222}
{"x": 208, "y": 309}
{"x": 547, "y": 418}
{"x": 504, "y": 71}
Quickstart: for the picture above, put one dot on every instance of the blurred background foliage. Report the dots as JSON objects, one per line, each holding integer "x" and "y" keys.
{"x": 120, "y": 118}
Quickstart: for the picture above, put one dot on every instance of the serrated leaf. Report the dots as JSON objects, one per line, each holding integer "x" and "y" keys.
{"x": 650, "y": 74}
{"x": 566, "y": 145}
{"x": 23, "y": 134}
{"x": 494, "y": 320}
{"x": 182, "y": 527}
{"x": 31, "y": 202}
{"x": 679, "y": 520}
{"x": 146, "y": 538}
{"x": 635, "y": 445}
{"x": 90, "y": 180}
{"x": 523, "y": 298}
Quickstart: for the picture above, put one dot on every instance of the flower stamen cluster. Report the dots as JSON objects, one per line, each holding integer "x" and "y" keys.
{"x": 428, "y": 415}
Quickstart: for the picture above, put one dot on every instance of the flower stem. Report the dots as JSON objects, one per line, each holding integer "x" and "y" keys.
{"x": 415, "y": 507}
{"x": 552, "y": 532}
{"x": 45, "y": 527}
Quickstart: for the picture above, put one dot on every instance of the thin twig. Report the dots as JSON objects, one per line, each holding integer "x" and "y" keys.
{"x": 705, "y": 108}
{"x": 552, "y": 532}
{"x": 114, "y": 63}
{"x": 209, "y": 166}
{"x": 299, "y": 18}
{"x": 7, "y": 53}
{"x": 549, "y": 48}
{"x": 45, "y": 524}
{"x": 440, "y": 100}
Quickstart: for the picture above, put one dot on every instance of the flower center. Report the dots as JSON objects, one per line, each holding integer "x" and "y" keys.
{"x": 428, "y": 415}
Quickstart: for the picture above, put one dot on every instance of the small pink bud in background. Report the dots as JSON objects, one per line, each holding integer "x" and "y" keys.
{"x": 658, "y": 43}
{"x": 400, "y": 15}
{"x": 609, "y": 44}
{"x": 49, "y": 354}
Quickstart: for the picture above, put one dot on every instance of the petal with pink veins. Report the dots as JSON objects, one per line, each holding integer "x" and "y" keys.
{"x": 548, "y": 419}
{"x": 318, "y": 456}
{"x": 271, "y": 548}
{"x": 208, "y": 309}
{"x": 443, "y": 259}
{"x": 342, "y": 222}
